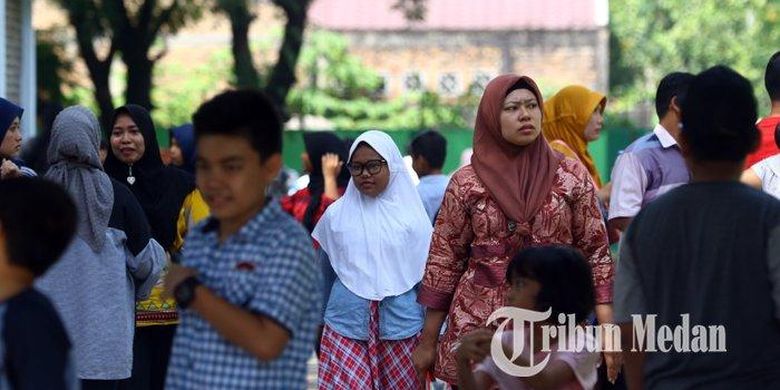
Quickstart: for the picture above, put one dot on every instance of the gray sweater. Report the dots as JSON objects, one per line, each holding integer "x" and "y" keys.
{"x": 95, "y": 294}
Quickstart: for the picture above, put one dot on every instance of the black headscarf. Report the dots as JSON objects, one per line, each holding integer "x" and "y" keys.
{"x": 159, "y": 189}
{"x": 8, "y": 113}
{"x": 317, "y": 145}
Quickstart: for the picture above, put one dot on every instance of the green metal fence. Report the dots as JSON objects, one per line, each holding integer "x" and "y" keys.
{"x": 604, "y": 150}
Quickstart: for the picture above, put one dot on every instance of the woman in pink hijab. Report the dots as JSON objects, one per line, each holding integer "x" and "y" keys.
{"x": 516, "y": 193}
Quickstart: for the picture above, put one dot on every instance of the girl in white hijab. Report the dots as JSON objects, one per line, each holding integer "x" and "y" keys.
{"x": 376, "y": 237}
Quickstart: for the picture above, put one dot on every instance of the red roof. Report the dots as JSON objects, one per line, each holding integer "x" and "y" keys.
{"x": 459, "y": 15}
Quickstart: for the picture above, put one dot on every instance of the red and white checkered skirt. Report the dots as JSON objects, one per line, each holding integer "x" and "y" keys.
{"x": 376, "y": 364}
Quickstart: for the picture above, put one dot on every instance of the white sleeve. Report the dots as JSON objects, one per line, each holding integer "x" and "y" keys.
{"x": 760, "y": 169}
{"x": 628, "y": 187}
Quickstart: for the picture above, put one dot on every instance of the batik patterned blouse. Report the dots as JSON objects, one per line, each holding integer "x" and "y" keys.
{"x": 473, "y": 242}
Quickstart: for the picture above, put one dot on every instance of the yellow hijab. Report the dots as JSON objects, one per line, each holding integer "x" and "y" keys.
{"x": 565, "y": 116}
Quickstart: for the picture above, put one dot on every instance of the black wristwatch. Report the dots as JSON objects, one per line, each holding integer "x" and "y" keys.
{"x": 184, "y": 293}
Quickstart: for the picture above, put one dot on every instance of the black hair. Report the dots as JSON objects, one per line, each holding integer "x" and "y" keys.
{"x": 566, "y": 279}
{"x": 777, "y": 135}
{"x": 523, "y": 84}
{"x": 361, "y": 143}
{"x": 772, "y": 77}
{"x": 38, "y": 218}
{"x": 673, "y": 84}
{"x": 317, "y": 145}
{"x": 430, "y": 145}
{"x": 719, "y": 116}
{"x": 244, "y": 113}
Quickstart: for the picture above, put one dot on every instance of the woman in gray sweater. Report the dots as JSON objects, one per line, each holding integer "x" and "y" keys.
{"x": 112, "y": 261}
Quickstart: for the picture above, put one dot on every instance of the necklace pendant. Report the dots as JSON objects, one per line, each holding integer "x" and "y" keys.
{"x": 131, "y": 180}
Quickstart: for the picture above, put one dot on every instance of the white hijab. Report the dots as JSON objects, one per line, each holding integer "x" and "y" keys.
{"x": 377, "y": 246}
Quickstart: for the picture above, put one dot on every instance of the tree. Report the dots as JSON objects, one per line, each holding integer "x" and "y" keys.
{"x": 85, "y": 18}
{"x": 282, "y": 75}
{"x": 52, "y": 66}
{"x": 414, "y": 10}
{"x": 131, "y": 28}
{"x": 652, "y": 38}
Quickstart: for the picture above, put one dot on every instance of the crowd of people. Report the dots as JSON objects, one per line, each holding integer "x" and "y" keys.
{"x": 118, "y": 271}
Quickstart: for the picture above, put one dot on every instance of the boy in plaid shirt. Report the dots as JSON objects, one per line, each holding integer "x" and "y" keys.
{"x": 248, "y": 285}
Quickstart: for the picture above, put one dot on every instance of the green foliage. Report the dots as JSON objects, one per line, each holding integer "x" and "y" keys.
{"x": 186, "y": 87}
{"x": 346, "y": 92}
{"x": 80, "y": 95}
{"x": 652, "y": 38}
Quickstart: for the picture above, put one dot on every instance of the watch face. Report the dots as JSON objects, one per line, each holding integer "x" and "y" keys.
{"x": 183, "y": 293}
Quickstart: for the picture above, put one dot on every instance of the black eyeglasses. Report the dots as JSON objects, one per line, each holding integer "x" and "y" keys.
{"x": 372, "y": 166}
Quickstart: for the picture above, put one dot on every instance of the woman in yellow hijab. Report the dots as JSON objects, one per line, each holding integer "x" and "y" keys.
{"x": 572, "y": 118}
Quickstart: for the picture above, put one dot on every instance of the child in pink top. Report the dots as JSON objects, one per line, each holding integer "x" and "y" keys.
{"x": 553, "y": 281}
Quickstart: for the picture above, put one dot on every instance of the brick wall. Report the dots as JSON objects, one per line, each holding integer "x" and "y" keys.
{"x": 553, "y": 58}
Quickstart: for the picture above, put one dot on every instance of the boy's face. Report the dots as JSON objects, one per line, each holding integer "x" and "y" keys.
{"x": 10, "y": 274}
{"x": 523, "y": 293}
{"x": 232, "y": 177}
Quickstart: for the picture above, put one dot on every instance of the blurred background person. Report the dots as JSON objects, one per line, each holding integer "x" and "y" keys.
{"x": 172, "y": 205}
{"x": 323, "y": 161}
{"x": 429, "y": 150}
{"x": 182, "y": 150}
{"x": 11, "y": 141}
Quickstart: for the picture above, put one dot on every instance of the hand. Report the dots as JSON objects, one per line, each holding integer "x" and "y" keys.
{"x": 423, "y": 358}
{"x": 614, "y": 362}
{"x": 9, "y": 170}
{"x": 331, "y": 165}
{"x": 604, "y": 193}
{"x": 176, "y": 274}
{"x": 474, "y": 346}
{"x": 613, "y": 357}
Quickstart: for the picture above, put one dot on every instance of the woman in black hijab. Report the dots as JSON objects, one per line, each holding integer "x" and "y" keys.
{"x": 324, "y": 162}
{"x": 172, "y": 204}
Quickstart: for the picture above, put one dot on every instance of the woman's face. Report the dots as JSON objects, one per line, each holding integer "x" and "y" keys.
{"x": 521, "y": 118}
{"x": 127, "y": 141}
{"x": 12, "y": 142}
{"x": 177, "y": 158}
{"x": 369, "y": 171}
{"x": 593, "y": 128}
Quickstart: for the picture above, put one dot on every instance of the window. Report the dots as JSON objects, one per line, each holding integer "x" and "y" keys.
{"x": 413, "y": 82}
{"x": 381, "y": 89}
{"x": 449, "y": 84}
{"x": 478, "y": 84}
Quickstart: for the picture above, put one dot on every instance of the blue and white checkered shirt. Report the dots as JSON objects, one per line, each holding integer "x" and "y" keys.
{"x": 268, "y": 267}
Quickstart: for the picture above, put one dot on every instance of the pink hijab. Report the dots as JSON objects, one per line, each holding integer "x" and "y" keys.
{"x": 518, "y": 177}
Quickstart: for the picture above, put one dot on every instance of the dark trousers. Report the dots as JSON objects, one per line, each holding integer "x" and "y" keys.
{"x": 92, "y": 384}
{"x": 151, "y": 351}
